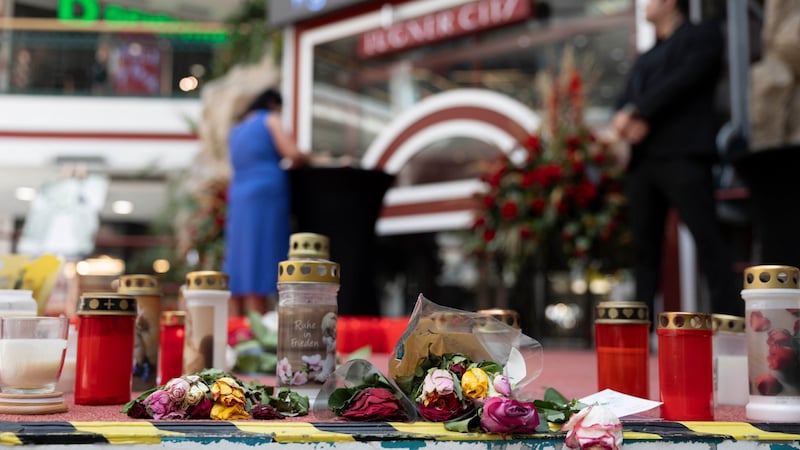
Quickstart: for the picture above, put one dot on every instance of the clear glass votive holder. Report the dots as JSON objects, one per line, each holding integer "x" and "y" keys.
{"x": 32, "y": 353}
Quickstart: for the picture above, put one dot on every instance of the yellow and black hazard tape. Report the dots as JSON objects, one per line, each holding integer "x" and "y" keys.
{"x": 156, "y": 432}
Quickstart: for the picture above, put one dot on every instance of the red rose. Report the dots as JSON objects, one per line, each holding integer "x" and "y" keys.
{"x": 538, "y": 205}
{"x": 458, "y": 368}
{"x": 578, "y": 166}
{"x": 479, "y": 222}
{"x": 527, "y": 179}
{"x": 533, "y": 142}
{"x": 509, "y": 209}
{"x": 525, "y": 232}
{"x": 767, "y": 384}
{"x": 488, "y": 235}
{"x": 440, "y": 408}
{"x": 599, "y": 157}
{"x": 573, "y": 141}
{"x": 504, "y": 415}
{"x": 374, "y": 403}
{"x": 779, "y": 336}
{"x": 781, "y": 358}
{"x": 488, "y": 201}
{"x": 202, "y": 410}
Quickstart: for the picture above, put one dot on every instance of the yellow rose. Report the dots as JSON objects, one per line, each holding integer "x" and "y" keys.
{"x": 475, "y": 383}
{"x": 222, "y": 412}
{"x": 229, "y": 400}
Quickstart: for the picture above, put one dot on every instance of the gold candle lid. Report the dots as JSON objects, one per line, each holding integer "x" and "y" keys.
{"x": 507, "y": 316}
{"x": 173, "y": 317}
{"x": 139, "y": 284}
{"x": 106, "y": 303}
{"x": 684, "y": 321}
{"x": 771, "y": 277}
{"x": 308, "y": 271}
{"x": 622, "y": 312}
{"x": 209, "y": 280}
{"x": 309, "y": 245}
{"x": 727, "y": 323}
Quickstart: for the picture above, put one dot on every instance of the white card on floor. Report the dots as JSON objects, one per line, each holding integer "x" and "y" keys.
{"x": 622, "y": 404}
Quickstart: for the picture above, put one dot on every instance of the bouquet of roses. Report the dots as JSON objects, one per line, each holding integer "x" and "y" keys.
{"x": 358, "y": 391}
{"x": 214, "y": 394}
{"x": 469, "y": 395}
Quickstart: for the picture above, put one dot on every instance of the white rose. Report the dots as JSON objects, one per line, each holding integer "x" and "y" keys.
{"x": 595, "y": 426}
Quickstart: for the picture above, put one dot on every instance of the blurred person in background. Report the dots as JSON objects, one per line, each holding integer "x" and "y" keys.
{"x": 257, "y": 224}
{"x": 666, "y": 114}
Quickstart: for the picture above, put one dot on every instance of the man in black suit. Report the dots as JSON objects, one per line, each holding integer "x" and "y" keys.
{"x": 666, "y": 113}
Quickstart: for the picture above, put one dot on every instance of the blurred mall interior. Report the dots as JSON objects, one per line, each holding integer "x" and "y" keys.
{"x": 101, "y": 109}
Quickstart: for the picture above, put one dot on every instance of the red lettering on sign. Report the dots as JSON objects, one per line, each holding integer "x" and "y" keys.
{"x": 446, "y": 24}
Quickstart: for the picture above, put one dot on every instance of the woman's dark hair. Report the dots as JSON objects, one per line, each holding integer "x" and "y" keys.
{"x": 683, "y": 7}
{"x": 270, "y": 100}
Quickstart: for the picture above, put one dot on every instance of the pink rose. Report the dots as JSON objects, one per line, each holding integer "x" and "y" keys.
{"x": 504, "y": 415}
{"x": 375, "y": 404}
{"x": 594, "y": 427}
{"x": 161, "y": 406}
{"x": 177, "y": 389}
{"x": 758, "y": 322}
{"x": 501, "y": 385}
{"x": 439, "y": 381}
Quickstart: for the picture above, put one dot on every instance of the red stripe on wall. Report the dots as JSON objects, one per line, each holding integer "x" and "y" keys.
{"x": 98, "y": 135}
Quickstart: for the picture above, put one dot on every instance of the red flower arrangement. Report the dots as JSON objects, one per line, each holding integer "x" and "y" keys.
{"x": 560, "y": 184}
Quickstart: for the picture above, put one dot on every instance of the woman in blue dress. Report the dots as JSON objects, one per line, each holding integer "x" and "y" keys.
{"x": 257, "y": 223}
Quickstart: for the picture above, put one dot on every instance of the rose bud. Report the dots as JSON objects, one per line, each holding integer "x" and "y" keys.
{"x": 595, "y": 426}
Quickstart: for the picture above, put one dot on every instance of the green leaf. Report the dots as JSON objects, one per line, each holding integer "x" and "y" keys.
{"x": 340, "y": 399}
{"x": 362, "y": 353}
{"x": 552, "y": 395}
{"x": 464, "y": 425}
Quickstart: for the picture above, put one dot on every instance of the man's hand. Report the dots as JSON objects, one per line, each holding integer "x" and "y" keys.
{"x": 636, "y": 131}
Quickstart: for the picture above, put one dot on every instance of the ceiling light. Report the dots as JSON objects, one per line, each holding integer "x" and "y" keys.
{"x": 122, "y": 207}
{"x": 25, "y": 193}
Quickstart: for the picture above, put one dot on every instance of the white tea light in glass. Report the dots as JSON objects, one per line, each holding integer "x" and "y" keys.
{"x": 31, "y": 353}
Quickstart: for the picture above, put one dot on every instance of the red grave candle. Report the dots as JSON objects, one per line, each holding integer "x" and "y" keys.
{"x": 104, "y": 359}
{"x": 685, "y": 366}
{"x": 170, "y": 355}
{"x": 622, "y": 339}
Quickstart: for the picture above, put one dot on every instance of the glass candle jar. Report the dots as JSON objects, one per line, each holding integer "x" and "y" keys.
{"x": 622, "y": 339}
{"x": 307, "y": 307}
{"x": 729, "y": 346}
{"x": 105, "y": 348}
{"x": 170, "y": 354}
{"x": 206, "y": 294}
{"x": 17, "y": 302}
{"x": 772, "y": 310}
{"x": 147, "y": 291}
{"x": 685, "y": 373}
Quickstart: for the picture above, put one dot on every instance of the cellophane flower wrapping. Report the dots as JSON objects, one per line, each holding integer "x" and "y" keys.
{"x": 438, "y": 330}
{"x": 357, "y": 390}
{"x": 449, "y": 335}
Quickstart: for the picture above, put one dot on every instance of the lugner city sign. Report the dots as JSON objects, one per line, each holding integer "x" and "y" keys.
{"x": 445, "y": 24}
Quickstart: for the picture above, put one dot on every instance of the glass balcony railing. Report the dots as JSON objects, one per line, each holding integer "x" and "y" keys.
{"x": 54, "y": 57}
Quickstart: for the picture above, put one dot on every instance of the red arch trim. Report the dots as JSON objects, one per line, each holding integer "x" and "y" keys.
{"x": 457, "y": 113}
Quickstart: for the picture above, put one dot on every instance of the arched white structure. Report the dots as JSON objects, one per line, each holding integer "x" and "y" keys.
{"x": 488, "y": 116}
